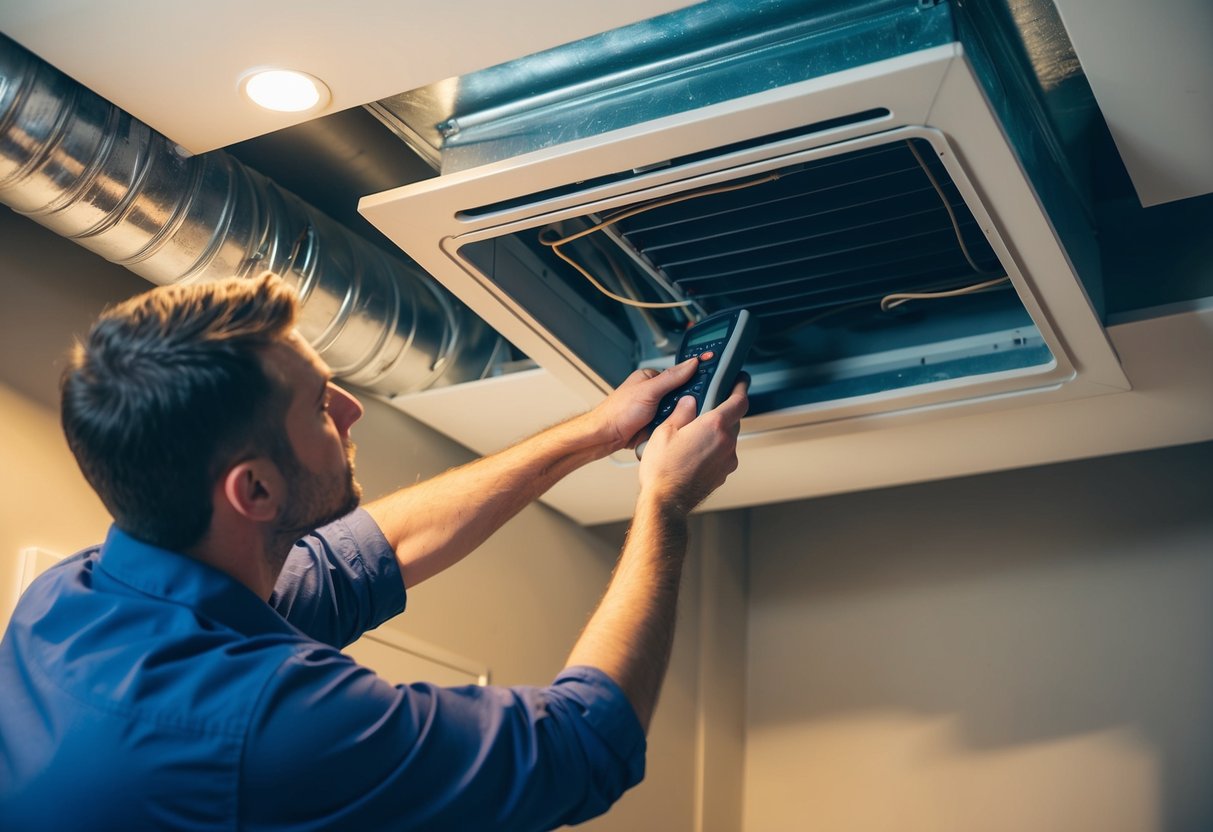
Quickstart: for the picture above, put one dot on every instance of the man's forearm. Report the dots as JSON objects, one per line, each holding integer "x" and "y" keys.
{"x": 629, "y": 637}
{"x": 434, "y": 524}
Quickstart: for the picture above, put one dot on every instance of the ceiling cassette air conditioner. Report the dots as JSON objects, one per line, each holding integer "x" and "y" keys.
{"x": 877, "y": 183}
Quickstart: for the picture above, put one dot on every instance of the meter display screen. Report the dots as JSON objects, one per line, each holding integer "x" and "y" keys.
{"x": 713, "y": 334}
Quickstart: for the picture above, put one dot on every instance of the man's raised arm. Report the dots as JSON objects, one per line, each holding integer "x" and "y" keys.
{"x": 434, "y": 524}
{"x": 630, "y": 635}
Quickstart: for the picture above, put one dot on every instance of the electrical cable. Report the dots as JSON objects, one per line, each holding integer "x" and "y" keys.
{"x": 639, "y": 304}
{"x": 964, "y": 249}
{"x": 898, "y": 298}
{"x": 555, "y": 244}
{"x": 888, "y": 302}
{"x": 627, "y": 285}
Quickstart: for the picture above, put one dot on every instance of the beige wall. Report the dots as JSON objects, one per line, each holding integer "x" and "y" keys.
{"x": 49, "y": 292}
{"x": 517, "y": 604}
{"x": 44, "y": 501}
{"x": 1021, "y": 651}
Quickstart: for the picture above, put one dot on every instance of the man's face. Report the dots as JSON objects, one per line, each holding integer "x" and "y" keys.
{"x": 320, "y": 480}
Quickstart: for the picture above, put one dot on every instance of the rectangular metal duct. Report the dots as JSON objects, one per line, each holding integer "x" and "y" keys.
{"x": 826, "y": 165}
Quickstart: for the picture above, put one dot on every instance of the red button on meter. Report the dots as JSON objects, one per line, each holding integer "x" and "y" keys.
{"x": 707, "y": 356}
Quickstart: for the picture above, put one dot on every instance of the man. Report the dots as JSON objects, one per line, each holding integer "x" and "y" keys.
{"x": 186, "y": 674}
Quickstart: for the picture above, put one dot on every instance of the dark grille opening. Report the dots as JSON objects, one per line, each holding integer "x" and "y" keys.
{"x": 812, "y": 253}
{"x": 829, "y": 233}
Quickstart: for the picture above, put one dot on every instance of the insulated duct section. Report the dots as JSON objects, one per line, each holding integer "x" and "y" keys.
{"x": 85, "y": 169}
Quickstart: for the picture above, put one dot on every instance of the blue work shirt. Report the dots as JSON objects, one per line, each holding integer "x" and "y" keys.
{"x": 142, "y": 689}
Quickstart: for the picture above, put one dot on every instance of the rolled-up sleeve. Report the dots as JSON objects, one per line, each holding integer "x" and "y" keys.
{"x": 331, "y": 745}
{"x": 340, "y": 581}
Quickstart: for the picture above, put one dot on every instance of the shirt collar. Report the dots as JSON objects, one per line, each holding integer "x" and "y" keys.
{"x": 184, "y": 580}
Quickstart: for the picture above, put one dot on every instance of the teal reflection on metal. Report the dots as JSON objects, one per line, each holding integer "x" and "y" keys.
{"x": 698, "y": 56}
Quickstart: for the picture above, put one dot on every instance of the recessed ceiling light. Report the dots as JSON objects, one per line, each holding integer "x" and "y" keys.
{"x": 285, "y": 90}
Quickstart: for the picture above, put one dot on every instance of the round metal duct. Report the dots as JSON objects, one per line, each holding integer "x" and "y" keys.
{"x": 80, "y": 166}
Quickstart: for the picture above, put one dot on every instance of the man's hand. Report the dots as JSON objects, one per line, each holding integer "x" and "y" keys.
{"x": 621, "y": 417}
{"x": 688, "y": 456}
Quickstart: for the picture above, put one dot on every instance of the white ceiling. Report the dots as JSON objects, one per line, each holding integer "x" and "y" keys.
{"x": 176, "y": 66}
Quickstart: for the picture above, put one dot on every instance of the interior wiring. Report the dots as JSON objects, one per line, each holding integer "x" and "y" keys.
{"x": 887, "y": 302}
{"x": 628, "y": 285}
{"x": 835, "y": 310}
{"x": 964, "y": 249}
{"x": 640, "y": 304}
{"x": 898, "y": 298}
{"x": 554, "y": 243}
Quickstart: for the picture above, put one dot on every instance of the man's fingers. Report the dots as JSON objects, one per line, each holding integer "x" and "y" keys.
{"x": 673, "y": 377}
{"x": 736, "y": 405}
{"x": 639, "y": 376}
{"x": 683, "y": 413}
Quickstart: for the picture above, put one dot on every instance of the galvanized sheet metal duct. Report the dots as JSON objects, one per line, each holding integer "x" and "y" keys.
{"x": 80, "y": 166}
{"x": 706, "y": 53}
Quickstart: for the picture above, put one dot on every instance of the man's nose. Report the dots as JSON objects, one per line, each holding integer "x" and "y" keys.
{"x": 346, "y": 409}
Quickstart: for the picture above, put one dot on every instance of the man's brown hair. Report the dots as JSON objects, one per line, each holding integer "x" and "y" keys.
{"x": 167, "y": 391}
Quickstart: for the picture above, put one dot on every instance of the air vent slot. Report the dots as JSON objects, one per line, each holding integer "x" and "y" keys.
{"x": 866, "y": 116}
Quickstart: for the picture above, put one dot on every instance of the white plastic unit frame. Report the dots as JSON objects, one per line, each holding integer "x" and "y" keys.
{"x": 931, "y": 96}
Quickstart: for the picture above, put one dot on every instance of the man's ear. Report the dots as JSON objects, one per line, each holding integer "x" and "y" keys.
{"x": 255, "y": 489}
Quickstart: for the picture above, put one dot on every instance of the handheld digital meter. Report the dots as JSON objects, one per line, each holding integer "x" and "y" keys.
{"x": 721, "y": 342}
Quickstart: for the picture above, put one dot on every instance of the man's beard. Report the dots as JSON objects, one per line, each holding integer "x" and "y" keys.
{"x": 314, "y": 500}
